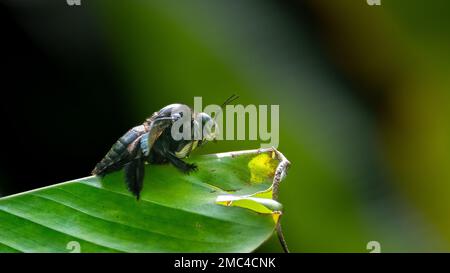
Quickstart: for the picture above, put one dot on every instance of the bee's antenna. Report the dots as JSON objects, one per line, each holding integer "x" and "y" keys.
{"x": 227, "y": 101}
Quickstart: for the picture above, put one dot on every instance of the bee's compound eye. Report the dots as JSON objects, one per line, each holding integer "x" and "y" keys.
{"x": 209, "y": 126}
{"x": 177, "y": 116}
{"x": 205, "y": 118}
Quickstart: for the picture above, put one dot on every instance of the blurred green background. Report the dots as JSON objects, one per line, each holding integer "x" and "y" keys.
{"x": 363, "y": 93}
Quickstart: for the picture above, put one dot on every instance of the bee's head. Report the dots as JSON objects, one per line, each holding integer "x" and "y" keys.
{"x": 209, "y": 127}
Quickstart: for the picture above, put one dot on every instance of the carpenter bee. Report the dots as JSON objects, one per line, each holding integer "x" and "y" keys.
{"x": 153, "y": 143}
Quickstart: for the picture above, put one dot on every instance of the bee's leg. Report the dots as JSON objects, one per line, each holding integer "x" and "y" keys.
{"x": 180, "y": 164}
{"x": 134, "y": 176}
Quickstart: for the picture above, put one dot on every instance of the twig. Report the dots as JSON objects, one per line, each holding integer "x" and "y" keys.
{"x": 281, "y": 236}
{"x": 280, "y": 173}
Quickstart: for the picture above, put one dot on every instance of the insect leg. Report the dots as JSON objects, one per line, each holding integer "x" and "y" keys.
{"x": 134, "y": 176}
{"x": 134, "y": 170}
{"x": 180, "y": 164}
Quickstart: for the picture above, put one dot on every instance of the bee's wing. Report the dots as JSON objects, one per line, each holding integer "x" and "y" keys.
{"x": 157, "y": 127}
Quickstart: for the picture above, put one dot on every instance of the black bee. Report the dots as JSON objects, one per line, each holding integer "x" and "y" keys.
{"x": 153, "y": 143}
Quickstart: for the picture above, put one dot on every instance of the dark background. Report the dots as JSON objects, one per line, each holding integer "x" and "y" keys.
{"x": 59, "y": 103}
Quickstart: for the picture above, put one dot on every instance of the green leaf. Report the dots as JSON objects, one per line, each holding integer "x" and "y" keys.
{"x": 176, "y": 213}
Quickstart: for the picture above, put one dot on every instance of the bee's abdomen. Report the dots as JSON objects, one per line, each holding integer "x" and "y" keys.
{"x": 119, "y": 152}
